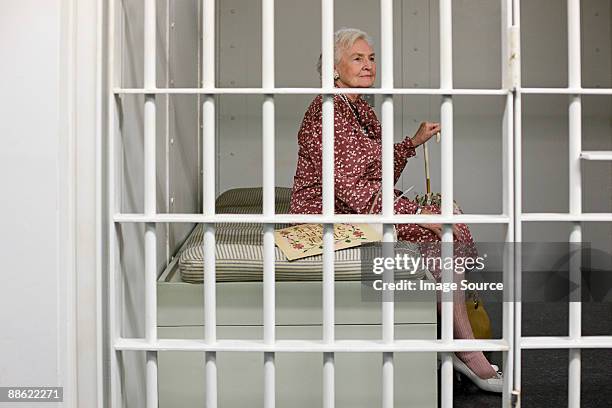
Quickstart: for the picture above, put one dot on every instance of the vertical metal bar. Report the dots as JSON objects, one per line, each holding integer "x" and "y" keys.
{"x": 575, "y": 193}
{"x": 210, "y": 324}
{"x": 114, "y": 278}
{"x": 168, "y": 141}
{"x": 573, "y": 44}
{"x": 267, "y": 81}
{"x": 517, "y": 222}
{"x": 150, "y": 202}
{"x": 508, "y": 198}
{"x": 327, "y": 48}
{"x": 508, "y": 253}
{"x": 150, "y": 56}
{"x": 199, "y": 102}
{"x": 447, "y": 272}
{"x": 575, "y": 326}
{"x": 328, "y": 209}
{"x": 509, "y": 246}
{"x": 387, "y": 106}
{"x": 216, "y": 54}
{"x": 99, "y": 228}
{"x": 388, "y": 304}
{"x": 518, "y": 231}
{"x": 446, "y": 122}
{"x": 208, "y": 199}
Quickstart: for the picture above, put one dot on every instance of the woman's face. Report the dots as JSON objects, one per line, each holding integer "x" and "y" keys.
{"x": 357, "y": 67}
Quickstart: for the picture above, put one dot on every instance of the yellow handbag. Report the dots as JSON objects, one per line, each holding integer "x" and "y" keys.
{"x": 478, "y": 316}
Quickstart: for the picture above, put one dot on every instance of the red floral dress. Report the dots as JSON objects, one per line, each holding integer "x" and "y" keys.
{"x": 358, "y": 169}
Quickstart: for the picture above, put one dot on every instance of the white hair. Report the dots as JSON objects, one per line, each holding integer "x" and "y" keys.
{"x": 344, "y": 39}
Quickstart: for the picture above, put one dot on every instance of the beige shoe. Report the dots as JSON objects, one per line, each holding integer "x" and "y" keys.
{"x": 494, "y": 384}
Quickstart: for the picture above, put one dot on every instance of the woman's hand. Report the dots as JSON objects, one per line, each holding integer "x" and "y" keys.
{"x": 436, "y": 228}
{"x": 425, "y": 132}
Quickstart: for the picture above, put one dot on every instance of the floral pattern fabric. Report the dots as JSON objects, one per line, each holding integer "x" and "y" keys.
{"x": 358, "y": 170}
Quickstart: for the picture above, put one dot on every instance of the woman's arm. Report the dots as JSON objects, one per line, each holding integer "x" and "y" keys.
{"x": 407, "y": 148}
{"x": 402, "y": 151}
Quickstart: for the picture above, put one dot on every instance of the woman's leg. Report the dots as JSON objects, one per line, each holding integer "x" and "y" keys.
{"x": 462, "y": 329}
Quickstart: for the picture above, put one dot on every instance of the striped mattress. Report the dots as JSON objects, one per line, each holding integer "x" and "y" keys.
{"x": 239, "y": 248}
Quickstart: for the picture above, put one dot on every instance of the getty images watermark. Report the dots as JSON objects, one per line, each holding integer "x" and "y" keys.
{"x": 411, "y": 264}
{"x": 551, "y": 271}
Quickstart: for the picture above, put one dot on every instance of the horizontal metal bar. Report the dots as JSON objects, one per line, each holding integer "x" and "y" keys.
{"x": 309, "y": 346}
{"x": 309, "y": 91}
{"x": 566, "y": 91}
{"x": 564, "y": 217}
{"x": 314, "y": 218}
{"x": 544, "y": 342}
{"x": 596, "y": 155}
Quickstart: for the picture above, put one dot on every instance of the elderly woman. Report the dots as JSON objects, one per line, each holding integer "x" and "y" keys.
{"x": 358, "y": 174}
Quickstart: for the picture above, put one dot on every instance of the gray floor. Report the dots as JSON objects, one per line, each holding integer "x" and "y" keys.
{"x": 544, "y": 372}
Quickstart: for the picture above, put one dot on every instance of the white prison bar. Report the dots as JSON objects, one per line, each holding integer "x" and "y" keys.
{"x": 575, "y": 192}
{"x": 200, "y": 102}
{"x": 314, "y": 346}
{"x": 446, "y": 123}
{"x": 575, "y": 313}
{"x": 518, "y": 236}
{"x": 208, "y": 199}
{"x": 322, "y": 219}
{"x": 114, "y": 274}
{"x": 327, "y": 76}
{"x": 596, "y": 155}
{"x": 150, "y": 200}
{"x": 566, "y": 91}
{"x": 150, "y": 204}
{"x": 556, "y": 342}
{"x": 267, "y": 81}
{"x": 508, "y": 68}
{"x": 564, "y": 217}
{"x": 310, "y": 91}
{"x": 518, "y": 208}
{"x": 99, "y": 228}
{"x": 508, "y": 208}
{"x": 508, "y": 315}
{"x": 210, "y": 325}
{"x": 388, "y": 304}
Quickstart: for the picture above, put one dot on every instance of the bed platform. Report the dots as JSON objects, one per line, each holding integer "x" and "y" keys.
{"x": 298, "y": 316}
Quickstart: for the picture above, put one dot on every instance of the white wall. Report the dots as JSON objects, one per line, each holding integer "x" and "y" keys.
{"x": 49, "y": 130}
{"x": 37, "y": 314}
